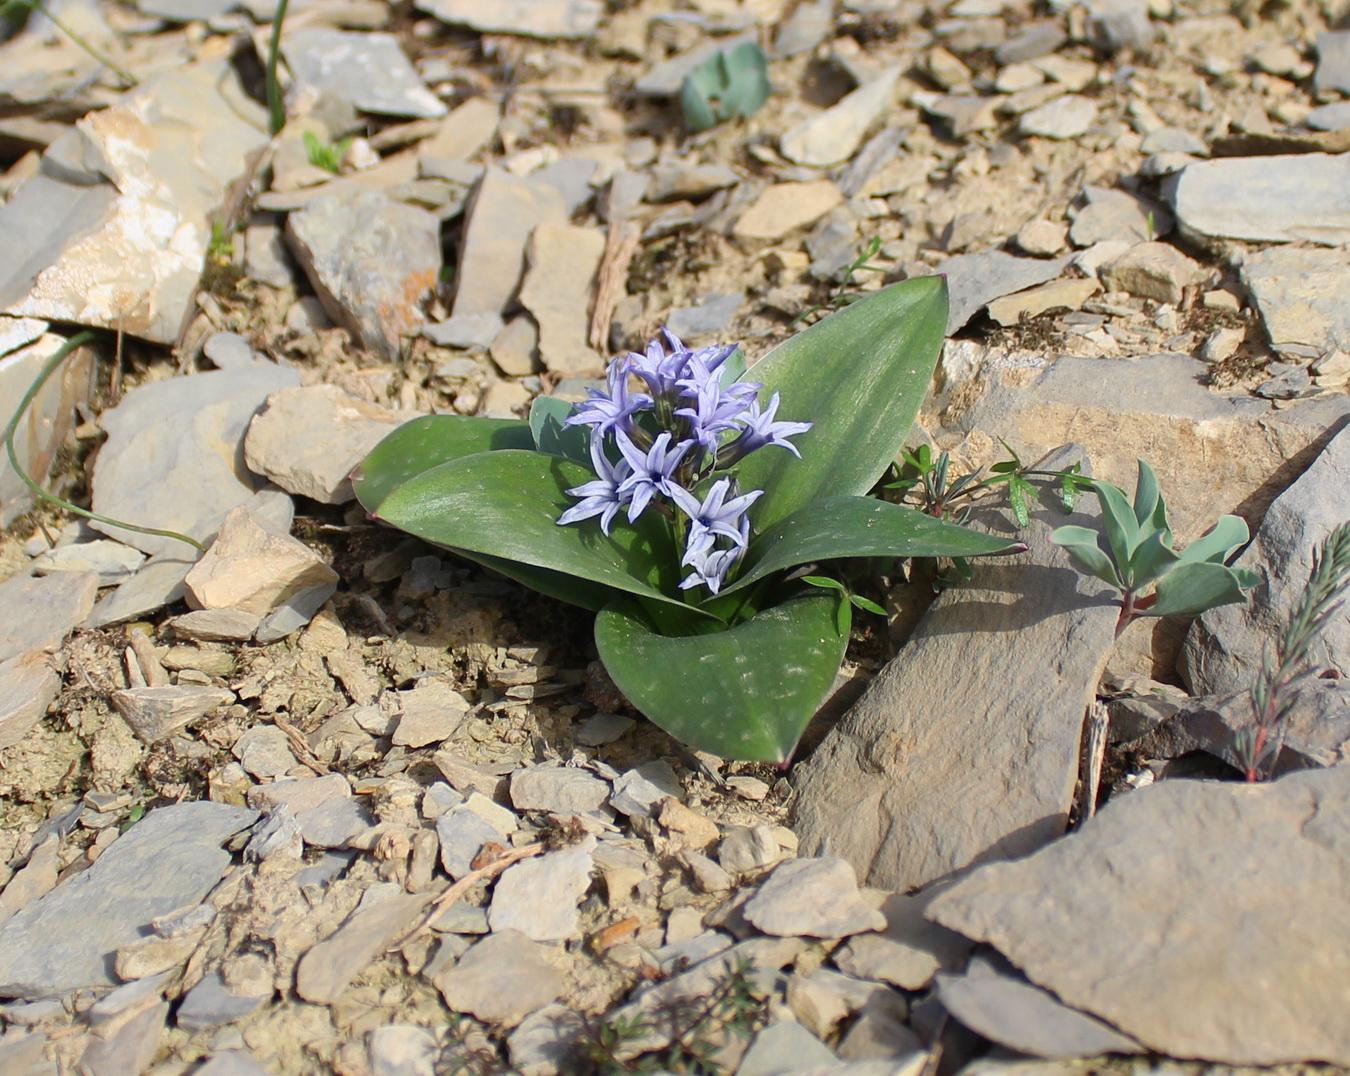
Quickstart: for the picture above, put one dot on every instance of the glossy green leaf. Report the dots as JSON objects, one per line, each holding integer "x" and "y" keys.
{"x": 428, "y": 442}
{"x": 1219, "y": 542}
{"x": 506, "y": 505}
{"x": 1083, "y": 548}
{"x": 547, "y": 415}
{"x": 859, "y": 375}
{"x": 859, "y": 527}
{"x": 1190, "y": 589}
{"x": 745, "y": 693}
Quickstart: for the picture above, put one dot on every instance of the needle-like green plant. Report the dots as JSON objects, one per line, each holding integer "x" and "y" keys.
{"x": 1286, "y": 665}
{"x": 9, "y": 7}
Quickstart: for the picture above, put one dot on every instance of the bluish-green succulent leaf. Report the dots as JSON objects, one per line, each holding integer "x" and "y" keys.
{"x": 1147, "y": 496}
{"x": 859, "y": 375}
{"x": 1152, "y": 559}
{"x": 835, "y": 527}
{"x": 428, "y": 442}
{"x": 744, "y": 693}
{"x": 1218, "y": 543}
{"x": 1081, "y": 543}
{"x": 695, "y": 105}
{"x": 1123, "y": 531}
{"x": 1190, "y": 589}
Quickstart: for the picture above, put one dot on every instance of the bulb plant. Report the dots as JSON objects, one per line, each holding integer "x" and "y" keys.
{"x": 683, "y": 503}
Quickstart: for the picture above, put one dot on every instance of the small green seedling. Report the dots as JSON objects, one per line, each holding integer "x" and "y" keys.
{"x": 325, "y": 155}
{"x": 1141, "y": 556}
{"x": 726, "y": 85}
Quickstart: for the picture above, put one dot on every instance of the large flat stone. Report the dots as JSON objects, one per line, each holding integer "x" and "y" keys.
{"x": 114, "y": 230}
{"x": 1214, "y": 915}
{"x": 964, "y": 749}
{"x": 1277, "y": 199}
{"x": 38, "y": 612}
{"x": 563, "y": 262}
{"x": 1156, "y": 407}
{"x": 67, "y": 939}
{"x": 1223, "y": 648}
{"x": 1301, "y": 294}
{"x": 174, "y": 455}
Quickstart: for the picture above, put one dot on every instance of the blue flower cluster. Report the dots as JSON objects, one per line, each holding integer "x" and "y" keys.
{"x": 669, "y": 442}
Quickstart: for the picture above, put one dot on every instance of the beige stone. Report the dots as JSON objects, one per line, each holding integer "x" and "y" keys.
{"x": 252, "y": 569}
{"x": 1056, "y": 295}
{"x": 1153, "y": 271}
{"x": 28, "y": 685}
{"x": 563, "y": 262}
{"x": 785, "y": 207}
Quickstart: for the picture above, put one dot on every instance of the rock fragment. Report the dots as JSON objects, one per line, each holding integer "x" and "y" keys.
{"x": 309, "y": 440}
{"x": 371, "y": 261}
{"x": 385, "y": 912}
{"x": 1155, "y": 271}
{"x": 785, "y": 207}
{"x": 908, "y": 951}
{"x": 1267, "y": 199}
{"x": 835, "y": 135}
{"x": 500, "y": 979}
{"x": 538, "y": 897}
{"x": 532, "y": 18}
{"x": 812, "y": 897}
{"x": 155, "y": 713}
{"x": 431, "y": 711}
{"x": 370, "y": 71}
{"x": 1063, "y": 118}
{"x": 1333, "y": 61}
{"x": 557, "y": 790}
{"x": 1300, "y": 293}
{"x": 975, "y": 279}
{"x": 38, "y": 614}
{"x": 563, "y": 262}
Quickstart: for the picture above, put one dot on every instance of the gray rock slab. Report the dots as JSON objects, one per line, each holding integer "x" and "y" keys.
{"x": 1267, "y": 199}
{"x": 370, "y": 71}
{"x": 25, "y": 347}
{"x": 834, "y": 135}
{"x": 1010, "y": 1011}
{"x": 1333, "y": 61}
{"x": 781, "y": 1048}
{"x": 215, "y": 625}
{"x": 1301, "y": 294}
{"x": 965, "y": 748}
{"x": 909, "y": 951}
{"x": 130, "y": 1048}
{"x": 1065, "y": 117}
{"x": 1147, "y": 886}
{"x": 385, "y": 913}
{"x": 462, "y": 834}
{"x": 66, "y": 940}
{"x": 1031, "y": 42}
{"x": 172, "y": 457}
{"x": 1116, "y": 214}
{"x": 1155, "y": 407}
{"x": 1224, "y": 646}
{"x": 38, "y": 613}
{"x": 713, "y": 314}
{"x": 546, "y": 1041}
{"x": 334, "y": 822}
{"x": 155, "y": 713}
{"x": 812, "y": 897}
{"x": 114, "y": 231}
{"x": 539, "y": 897}
{"x": 804, "y": 29}
{"x": 210, "y": 1003}
{"x": 160, "y": 582}
{"x": 466, "y": 331}
{"x": 974, "y": 280}
{"x": 531, "y": 18}
{"x": 111, "y": 561}
{"x": 563, "y": 261}
{"x": 371, "y": 261}
{"x": 499, "y": 219}
{"x": 186, "y": 10}
{"x": 558, "y": 790}
{"x": 639, "y": 790}
{"x": 501, "y": 979}
{"x": 309, "y": 440}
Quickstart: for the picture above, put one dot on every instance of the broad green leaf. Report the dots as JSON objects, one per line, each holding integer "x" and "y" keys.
{"x": 506, "y": 505}
{"x": 1217, "y": 543}
{"x": 1148, "y": 502}
{"x": 428, "y": 442}
{"x": 1190, "y": 589}
{"x": 1082, "y": 546}
{"x": 547, "y": 414}
{"x": 745, "y": 693}
{"x": 566, "y": 588}
{"x": 860, "y": 527}
{"x": 859, "y": 375}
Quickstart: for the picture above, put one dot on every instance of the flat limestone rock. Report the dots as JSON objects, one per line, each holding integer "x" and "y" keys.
{"x": 909, "y": 951}
{"x": 114, "y": 231}
{"x": 172, "y": 457}
{"x": 498, "y": 221}
{"x": 1300, "y": 293}
{"x": 370, "y": 71}
{"x": 785, "y": 207}
{"x": 539, "y": 896}
{"x": 531, "y": 18}
{"x": 563, "y": 262}
{"x": 326, "y": 970}
{"x": 28, "y": 685}
{"x": 66, "y": 940}
{"x": 834, "y": 136}
{"x": 1224, "y": 646}
{"x": 371, "y": 261}
{"x": 1155, "y": 406}
{"x": 975, "y": 280}
{"x": 1279, "y": 199}
{"x": 155, "y": 713}
{"x": 38, "y": 613}
{"x": 308, "y": 440}
{"x": 812, "y": 897}
{"x": 964, "y": 749}
{"x": 1010, "y": 1011}
{"x": 1158, "y": 887}
{"x": 501, "y": 979}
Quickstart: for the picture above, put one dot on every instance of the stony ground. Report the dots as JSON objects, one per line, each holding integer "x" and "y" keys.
{"x": 325, "y": 800}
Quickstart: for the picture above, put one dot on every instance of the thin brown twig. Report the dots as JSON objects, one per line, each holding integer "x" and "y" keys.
{"x": 621, "y": 243}
{"x": 301, "y": 749}
{"x": 442, "y": 903}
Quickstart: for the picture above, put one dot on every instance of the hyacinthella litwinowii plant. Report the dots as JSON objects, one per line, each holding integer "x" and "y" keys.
{"x": 683, "y": 502}
{"x": 1153, "y": 578}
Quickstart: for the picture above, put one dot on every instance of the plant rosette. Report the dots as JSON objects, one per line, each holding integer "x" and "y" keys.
{"x": 682, "y": 502}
